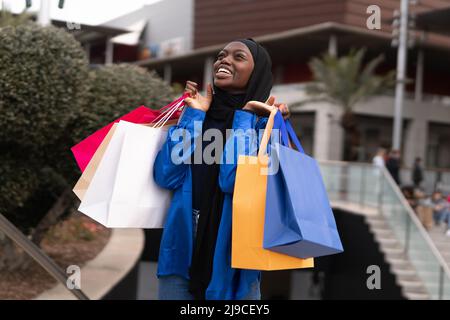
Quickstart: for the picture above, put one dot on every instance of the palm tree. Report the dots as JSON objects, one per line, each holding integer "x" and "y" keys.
{"x": 344, "y": 81}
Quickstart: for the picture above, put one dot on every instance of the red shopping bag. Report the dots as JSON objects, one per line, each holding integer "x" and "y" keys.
{"x": 85, "y": 150}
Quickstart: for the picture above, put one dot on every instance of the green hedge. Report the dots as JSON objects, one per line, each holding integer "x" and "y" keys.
{"x": 43, "y": 84}
{"x": 118, "y": 89}
{"x": 43, "y": 88}
{"x": 50, "y": 100}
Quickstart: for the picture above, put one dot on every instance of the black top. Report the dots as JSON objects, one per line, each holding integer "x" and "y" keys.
{"x": 207, "y": 197}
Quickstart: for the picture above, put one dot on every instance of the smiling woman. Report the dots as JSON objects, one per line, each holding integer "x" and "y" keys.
{"x": 195, "y": 252}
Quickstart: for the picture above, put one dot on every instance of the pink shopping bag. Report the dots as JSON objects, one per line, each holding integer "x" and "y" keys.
{"x": 85, "y": 150}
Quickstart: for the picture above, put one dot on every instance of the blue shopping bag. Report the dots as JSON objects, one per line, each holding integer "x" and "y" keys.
{"x": 298, "y": 218}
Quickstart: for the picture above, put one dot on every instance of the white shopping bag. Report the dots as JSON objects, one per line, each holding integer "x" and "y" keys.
{"x": 122, "y": 193}
{"x": 86, "y": 177}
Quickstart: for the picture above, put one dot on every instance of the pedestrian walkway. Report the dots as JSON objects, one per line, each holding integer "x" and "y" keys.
{"x": 147, "y": 281}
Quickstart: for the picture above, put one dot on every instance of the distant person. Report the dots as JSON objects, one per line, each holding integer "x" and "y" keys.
{"x": 408, "y": 193}
{"x": 448, "y": 216}
{"x": 393, "y": 165}
{"x": 378, "y": 160}
{"x": 441, "y": 210}
{"x": 439, "y": 207}
{"x": 417, "y": 173}
{"x": 424, "y": 209}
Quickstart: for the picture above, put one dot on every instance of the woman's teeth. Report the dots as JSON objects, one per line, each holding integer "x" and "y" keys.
{"x": 224, "y": 70}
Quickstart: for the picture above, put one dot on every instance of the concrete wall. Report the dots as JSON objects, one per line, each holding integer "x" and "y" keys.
{"x": 171, "y": 19}
{"x": 167, "y": 19}
{"x": 419, "y": 115}
{"x": 328, "y": 135}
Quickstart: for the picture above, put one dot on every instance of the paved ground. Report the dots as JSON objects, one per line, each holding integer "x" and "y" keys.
{"x": 148, "y": 283}
{"x": 301, "y": 288}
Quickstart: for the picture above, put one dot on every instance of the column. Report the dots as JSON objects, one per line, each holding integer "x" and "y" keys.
{"x": 208, "y": 72}
{"x": 168, "y": 73}
{"x": 419, "y": 76}
{"x": 333, "y": 45}
{"x": 109, "y": 51}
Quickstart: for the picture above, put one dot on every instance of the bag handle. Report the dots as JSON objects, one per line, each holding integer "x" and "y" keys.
{"x": 294, "y": 137}
{"x": 170, "y": 105}
{"x": 287, "y": 133}
{"x": 266, "y": 135}
{"x": 279, "y": 123}
{"x": 164, "y": 110}
{"x": 168, "y": 114}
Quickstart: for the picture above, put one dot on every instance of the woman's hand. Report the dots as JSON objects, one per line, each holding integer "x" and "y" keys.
{"x": 196, "y": 100}
{"x": 264, "y": 109}
{"x": 261, "y": 109}
{"x": 284, "y": 110}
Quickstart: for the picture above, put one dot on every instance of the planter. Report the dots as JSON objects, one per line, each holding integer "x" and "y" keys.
{"x": 100, "y": 275}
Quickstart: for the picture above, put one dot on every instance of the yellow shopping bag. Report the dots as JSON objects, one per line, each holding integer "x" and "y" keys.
{"x": 249, "y": 202}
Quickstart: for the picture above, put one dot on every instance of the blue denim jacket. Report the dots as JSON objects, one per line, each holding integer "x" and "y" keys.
{"x": 178, "y": 235}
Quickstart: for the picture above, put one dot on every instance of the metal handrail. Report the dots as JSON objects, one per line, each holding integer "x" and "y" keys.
{"x": 38, "y": 255}
{"x": 409, "y": 210}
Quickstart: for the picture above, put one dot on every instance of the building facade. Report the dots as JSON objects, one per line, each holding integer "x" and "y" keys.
{"x": 294, "y": 31}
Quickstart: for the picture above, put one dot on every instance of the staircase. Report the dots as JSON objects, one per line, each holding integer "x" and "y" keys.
{"x": 442, "y": 242}
{"x": 420, "y": 260}
{"x": 406, "y": 276}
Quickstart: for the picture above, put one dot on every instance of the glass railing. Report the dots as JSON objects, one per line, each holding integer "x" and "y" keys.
{"x": 370, "y": 186}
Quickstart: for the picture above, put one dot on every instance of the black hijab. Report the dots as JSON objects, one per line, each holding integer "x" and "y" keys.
{"x": 207, "y": 197}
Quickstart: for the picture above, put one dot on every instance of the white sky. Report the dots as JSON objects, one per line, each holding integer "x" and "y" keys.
{"x": 82, "y": 11}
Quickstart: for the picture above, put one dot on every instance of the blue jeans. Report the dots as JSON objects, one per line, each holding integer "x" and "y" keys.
{"x": 444, "y": 216}
{"x": 176, "y": 288}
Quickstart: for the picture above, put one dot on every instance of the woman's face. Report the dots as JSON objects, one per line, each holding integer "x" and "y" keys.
{"x": 233, "y": 67}
{"x": 437, "y": 196}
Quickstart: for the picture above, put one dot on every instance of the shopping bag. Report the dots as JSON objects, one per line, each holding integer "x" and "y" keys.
{"x": 86, "y": 177}
{"x": 249, "y": 197}
{"x": 299, "y": 220}
{"x": 85, "y": 150}
{"x": 122, "y": 192}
